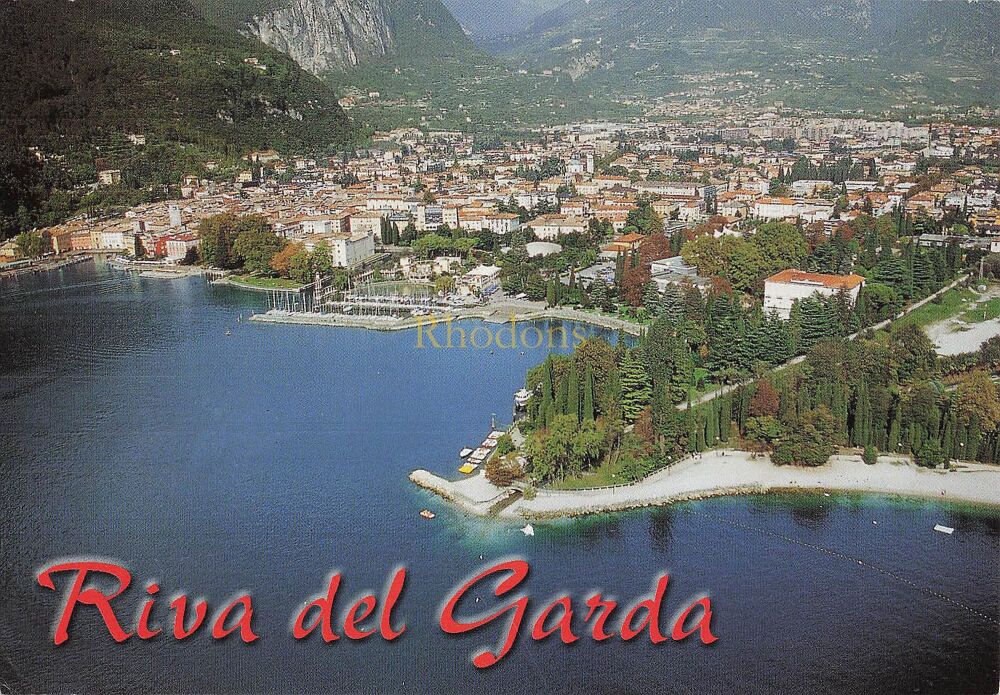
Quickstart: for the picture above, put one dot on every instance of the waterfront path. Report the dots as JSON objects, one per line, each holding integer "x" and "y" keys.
{"x": 495, "y": 312}
{"x": 722, "y": 473}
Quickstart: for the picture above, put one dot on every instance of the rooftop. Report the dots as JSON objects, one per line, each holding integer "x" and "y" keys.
{"x": 800, "y": 277}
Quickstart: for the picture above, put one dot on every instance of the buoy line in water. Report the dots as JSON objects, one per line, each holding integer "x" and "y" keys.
{"x": 850, "y": 558}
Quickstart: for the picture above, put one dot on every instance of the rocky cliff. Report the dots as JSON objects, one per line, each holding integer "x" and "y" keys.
{"x": 323, "y": 35}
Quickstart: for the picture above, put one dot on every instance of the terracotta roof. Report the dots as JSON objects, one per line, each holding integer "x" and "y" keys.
{"x": 630, "y": 238}
{"x": 839, "y": 282}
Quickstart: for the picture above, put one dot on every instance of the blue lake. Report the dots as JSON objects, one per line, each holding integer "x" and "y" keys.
{"x": 134, "y": 429}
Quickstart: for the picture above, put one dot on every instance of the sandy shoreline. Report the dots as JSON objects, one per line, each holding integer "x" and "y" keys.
{"x": 731, "y": 473}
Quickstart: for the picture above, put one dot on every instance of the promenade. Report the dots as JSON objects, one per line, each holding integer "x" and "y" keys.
{"x": 725, "y": 473}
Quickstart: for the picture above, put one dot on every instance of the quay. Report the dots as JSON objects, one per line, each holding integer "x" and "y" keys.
{"x": 16, "y": 268}
{"x": 495, "y": 312}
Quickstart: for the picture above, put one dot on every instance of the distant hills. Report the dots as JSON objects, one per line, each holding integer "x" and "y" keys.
{"x": 823, "y": 53}
{"x": 490, "y": 23}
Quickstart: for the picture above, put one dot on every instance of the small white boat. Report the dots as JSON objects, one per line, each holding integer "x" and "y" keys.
{"x": 944, "y": 529}
{"x": 464, "y": 452}
{"x": 427, "y": 514}
{"x": 528, "y": 530}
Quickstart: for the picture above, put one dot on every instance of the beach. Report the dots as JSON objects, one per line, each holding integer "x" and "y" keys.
{"x": 724, "y": 473}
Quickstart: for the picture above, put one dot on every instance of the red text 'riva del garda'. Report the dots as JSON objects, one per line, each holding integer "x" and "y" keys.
{"x": 512, "y": 615}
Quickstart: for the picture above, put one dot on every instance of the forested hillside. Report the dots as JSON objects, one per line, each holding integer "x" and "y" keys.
{"x": 79, "y": 76}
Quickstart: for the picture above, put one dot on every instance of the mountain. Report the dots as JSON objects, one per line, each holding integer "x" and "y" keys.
{"x": 413, "y": 54}
{"x": 825, "y": 52}
{"x": 491, "y": 22}
{"x": 330, "y": 36}
{"x": 86, "y": 67}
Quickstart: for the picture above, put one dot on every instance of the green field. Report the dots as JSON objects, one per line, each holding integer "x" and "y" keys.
{"x": 952, "y": 303}
{"x": 265, "y": 283}
{"x": 605, "y": 475}
{"x": 986, "y": 311}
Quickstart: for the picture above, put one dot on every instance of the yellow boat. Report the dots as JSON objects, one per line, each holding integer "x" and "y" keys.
{"x": 467, "y": 468}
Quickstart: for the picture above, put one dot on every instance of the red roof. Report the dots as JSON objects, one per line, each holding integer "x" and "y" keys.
{"x": 837, "y": 282}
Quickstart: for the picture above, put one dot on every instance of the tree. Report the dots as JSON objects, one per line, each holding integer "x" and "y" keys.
{"x": 651, "y": 299}
{"x": 502, "y": 470}
{"x": 599, "y": 294}
{"x": 765, "y": 400}
{"x": 444, "y": 284}
{"x": 978, "y": 401}
{"x": 256, "y": 245}
{"x": 870, "y": 455}
{"x": 588, "y": 394}
{"x": 809, "y": 441}
{"x": 217, "y": 234}
{"x": 535, "y": 288}
{"x": 636, "y": 392}
{"x": 32, "y": 244}
{"x": 931, "y": 455}
{"x": 282, "y": 261}
{"x": 573, "y": 392}
{"x": 815, "y": 319}
{"x": 633, "y": 284}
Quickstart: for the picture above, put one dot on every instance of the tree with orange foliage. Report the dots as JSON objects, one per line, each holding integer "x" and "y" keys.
{"x": 766, "y": 400}
{"x": 633, "y": 284}
{"x": 655, "y": 247}
{"x": 281, "y": 263}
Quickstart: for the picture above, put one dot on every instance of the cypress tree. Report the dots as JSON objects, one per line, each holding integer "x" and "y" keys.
{"x": 725, "y": 418}
{"x": 636, "y": 392}
{"x": 562, "y": 402}
{"x": 573, "y": 397}
{"x": 894, "y": 442}
{"x": 545, "y": 408}
{"x": 588, "y": 395}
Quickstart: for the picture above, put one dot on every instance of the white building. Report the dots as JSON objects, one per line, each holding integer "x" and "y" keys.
{"x": 502, "y": 223}
{"x": 479, "y": 281}
{"x": 367, "y": 223}
{"x": 781, "y": 291}
{"x": 548, "y": 227}
{"x": 346, "y": 250}
{"x": 776, "y": 208}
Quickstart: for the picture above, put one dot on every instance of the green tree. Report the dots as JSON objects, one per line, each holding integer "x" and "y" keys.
{"x": 978, "y": 401}
{"x": 256, "y": 245}
{"x": 588, "y": 394}
{"x": 635, "y": 386}
{"x": 31, "y": 244}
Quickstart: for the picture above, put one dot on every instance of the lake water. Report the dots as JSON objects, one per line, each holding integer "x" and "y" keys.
{"x": 134, "y": 429}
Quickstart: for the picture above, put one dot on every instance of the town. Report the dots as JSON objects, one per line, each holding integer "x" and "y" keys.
{"x": 727, "y": 251}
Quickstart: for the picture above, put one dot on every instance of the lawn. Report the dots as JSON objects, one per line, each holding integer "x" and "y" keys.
{"x": 266, "y": 283}
{"x": 987, "y": 311}
{"x": 605, "y": 475}
{"x": 953, "y": 302}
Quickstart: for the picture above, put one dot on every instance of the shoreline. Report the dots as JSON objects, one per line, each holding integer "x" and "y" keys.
{"x": 727, "y": 474}
{"x": 229, "y": 282}
{"x": 498, "y": 314}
